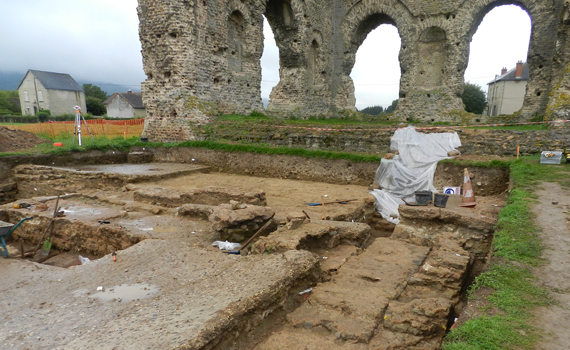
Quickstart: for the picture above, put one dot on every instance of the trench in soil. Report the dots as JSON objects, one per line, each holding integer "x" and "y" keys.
{"x": 442, "y": 250}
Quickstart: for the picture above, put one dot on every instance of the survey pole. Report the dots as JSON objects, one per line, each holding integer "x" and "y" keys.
{"x": 78, "y": 123}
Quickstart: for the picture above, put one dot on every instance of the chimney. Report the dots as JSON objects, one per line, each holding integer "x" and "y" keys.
{"x": 518, "y": 70}
{"x": 504, "y": 71}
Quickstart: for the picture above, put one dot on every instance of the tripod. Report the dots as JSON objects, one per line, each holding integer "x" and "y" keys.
{"x": 77, "y": 127}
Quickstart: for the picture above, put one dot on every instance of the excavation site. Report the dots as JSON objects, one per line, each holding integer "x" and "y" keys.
{"x": 124, "y": 251}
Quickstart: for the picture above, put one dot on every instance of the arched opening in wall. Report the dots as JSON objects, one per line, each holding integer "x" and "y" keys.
{"x": 269, "y": 63}
{"x": 236, "y": 33}
{"x": 376, "y": 72}
{"x": 500, "y": 42}
{"x": 313, "y": 64}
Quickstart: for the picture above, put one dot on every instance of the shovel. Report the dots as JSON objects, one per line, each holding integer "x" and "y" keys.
{"x": 46, "y": 246}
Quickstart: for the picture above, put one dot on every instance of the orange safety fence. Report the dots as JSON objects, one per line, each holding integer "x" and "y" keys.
{"x": 98, "y": 127}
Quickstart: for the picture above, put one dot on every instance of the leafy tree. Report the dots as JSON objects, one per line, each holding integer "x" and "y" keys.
{"x": 10, "y": 102}
{"x": 392, "y": 107}
{"x": 373, "y": 110}
{"x": 43, "y": 115}
{"x": 95, "y": 106}
{"x": 473, "y": 98}
{"x": 94, "y": 91}
{"x": 94, "y": 98}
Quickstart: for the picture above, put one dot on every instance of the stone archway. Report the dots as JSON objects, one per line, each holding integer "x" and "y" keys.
{"x": 192, "y": 74}
{"x": 358, "y": 22}
{"x": 541, "y": 47}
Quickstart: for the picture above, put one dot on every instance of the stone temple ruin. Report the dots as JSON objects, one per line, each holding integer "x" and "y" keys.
{"x": 203, "y": 57}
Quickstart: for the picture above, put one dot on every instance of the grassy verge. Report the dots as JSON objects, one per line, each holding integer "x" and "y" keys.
{"x": 517, "y": 248}
{"x": 104, "y": 144}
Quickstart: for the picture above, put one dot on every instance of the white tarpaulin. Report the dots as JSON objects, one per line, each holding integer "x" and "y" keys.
{"x": 411, "y": 170}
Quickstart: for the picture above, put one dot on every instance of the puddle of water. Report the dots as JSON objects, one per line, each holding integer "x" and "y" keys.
{"x": 81, "y": 210}
{"x": 80, "y": 293}
{"x": 166, "y": 229}
{"x": 126, "y": 292}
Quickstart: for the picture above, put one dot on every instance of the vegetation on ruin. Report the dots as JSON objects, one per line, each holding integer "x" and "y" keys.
{"x": 505, "y": 321}
{"x": 360, "y": 120}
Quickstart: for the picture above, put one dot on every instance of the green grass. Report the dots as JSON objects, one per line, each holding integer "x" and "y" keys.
{"x": 528, "y": 127}
{"x": 260, "y": 118}
{"x": 517, "y": 248}
{"x": 12, "y": 123}
{"x": 101, "y": 143}
{"x": 491, "y": 333}
{"x": 118, "y": 143}
{"x": 260, "y": 149}
{"x": 361, "y": 120}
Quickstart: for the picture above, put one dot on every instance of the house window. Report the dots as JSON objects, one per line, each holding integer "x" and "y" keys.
{"x": 40, "y": 96}
{"x": 26, "y": 97}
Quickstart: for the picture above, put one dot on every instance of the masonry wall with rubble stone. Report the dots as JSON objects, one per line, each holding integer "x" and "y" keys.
{"x": 202, "y": 57}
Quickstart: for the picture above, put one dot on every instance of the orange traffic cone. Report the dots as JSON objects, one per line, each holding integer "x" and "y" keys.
{"x": 468, "y": 196}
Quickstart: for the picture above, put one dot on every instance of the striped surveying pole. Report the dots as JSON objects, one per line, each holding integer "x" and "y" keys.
{"x": 77, "y": 127}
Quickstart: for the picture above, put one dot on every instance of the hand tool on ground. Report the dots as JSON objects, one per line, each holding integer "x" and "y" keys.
{"x": 341, "y": 202}
{"x": 49, "y": 229}
{"x": 244, "y": 246}
{"x": 22, "y": 205}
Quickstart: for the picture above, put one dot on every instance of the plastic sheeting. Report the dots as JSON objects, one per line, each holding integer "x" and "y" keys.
{"x": 411, "y": 170}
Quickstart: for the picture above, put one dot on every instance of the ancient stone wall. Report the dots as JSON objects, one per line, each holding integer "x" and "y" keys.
{"x": 202, "y": 57}
{"x": 377, "y": 140}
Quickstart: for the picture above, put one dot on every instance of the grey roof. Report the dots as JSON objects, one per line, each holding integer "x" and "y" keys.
{"x": 133, "y": 98}
{"x": 55, "y": 81}
{"x": 510, "y": 75}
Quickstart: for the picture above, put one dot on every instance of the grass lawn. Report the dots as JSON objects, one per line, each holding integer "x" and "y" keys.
{"x": 516, "y": 248}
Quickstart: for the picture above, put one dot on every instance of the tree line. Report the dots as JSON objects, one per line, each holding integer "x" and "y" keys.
{"x": 473, "y": 98}
{"x": 94, "y": 98}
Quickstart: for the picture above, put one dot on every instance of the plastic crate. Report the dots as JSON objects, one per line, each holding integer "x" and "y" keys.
{"x": 550, "y": 157}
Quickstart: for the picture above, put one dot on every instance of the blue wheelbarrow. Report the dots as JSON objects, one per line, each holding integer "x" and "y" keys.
{"x": 6, "y": 230}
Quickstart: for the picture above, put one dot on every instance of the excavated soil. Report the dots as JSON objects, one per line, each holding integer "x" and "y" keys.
{"x": 170, "y": 289}
{"x": 18, "y": 140}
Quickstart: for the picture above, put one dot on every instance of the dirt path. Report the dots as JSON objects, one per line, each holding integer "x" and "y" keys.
{"x": 553, "y": 215}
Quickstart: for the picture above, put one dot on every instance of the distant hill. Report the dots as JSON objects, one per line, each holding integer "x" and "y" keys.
{"x": 11, "y": 80}
{"x": 111, "y": 88}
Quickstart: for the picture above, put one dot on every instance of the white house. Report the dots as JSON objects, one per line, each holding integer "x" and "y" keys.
{"x": 125, "y": 105}
{"x": 57, "y": 92}
{"x": 506, "y": 92}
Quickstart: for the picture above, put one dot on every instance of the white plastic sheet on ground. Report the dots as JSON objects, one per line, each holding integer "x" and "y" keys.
{"x": 411, "y": 170}
{"x": 226, "y": 245}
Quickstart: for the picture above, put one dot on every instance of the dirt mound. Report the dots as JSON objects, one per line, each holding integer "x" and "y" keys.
{"x": 17, "y": 140}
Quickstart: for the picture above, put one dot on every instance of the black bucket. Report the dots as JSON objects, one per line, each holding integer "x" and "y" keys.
{"x": 440, "y": 200}
{"x": 423, "y": 197}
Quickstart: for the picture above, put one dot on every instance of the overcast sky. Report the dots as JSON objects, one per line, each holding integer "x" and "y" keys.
{"x": 97, "y": 40}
